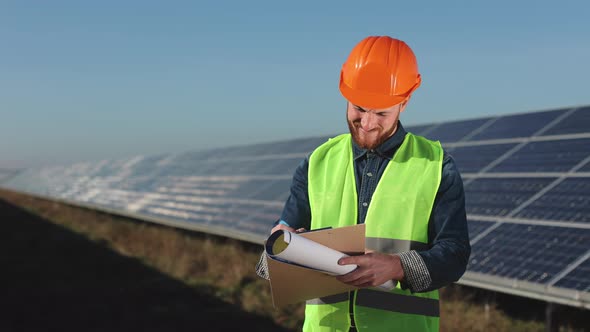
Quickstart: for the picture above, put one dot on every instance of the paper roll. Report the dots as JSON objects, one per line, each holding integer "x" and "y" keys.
{"x": 297, "y": 249}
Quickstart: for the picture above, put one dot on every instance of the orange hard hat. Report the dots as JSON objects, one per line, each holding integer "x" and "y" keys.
{"x": 380, "y": 72}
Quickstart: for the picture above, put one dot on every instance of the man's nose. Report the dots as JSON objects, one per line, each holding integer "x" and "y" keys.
{"x": 368, "y": 121}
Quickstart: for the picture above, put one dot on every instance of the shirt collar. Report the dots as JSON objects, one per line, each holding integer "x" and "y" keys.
{"x": 387, "y": 148}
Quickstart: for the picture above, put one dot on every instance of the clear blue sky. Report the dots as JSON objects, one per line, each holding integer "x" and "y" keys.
{"x": 92, "y": 80}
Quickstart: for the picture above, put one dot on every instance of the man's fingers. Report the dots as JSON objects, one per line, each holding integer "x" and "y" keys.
{"x": 280, "y": 227}
{"x": 356, "y": 278}
{"x": 351, "y": 260}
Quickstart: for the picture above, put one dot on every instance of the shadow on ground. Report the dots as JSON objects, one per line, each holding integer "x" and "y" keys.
{"x": 52, "y": 279}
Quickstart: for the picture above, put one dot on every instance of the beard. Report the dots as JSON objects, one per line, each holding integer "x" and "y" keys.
{"x": 371, "y": 141}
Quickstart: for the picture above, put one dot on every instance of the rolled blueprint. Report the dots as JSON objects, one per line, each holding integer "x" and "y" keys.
{"x": 294, "y": 248}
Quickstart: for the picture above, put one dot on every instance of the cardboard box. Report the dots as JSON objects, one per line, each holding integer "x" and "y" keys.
{"x": 292, "y": 283}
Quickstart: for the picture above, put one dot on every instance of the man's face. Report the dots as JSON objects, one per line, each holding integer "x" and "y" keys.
{"x": 371, "y": 127}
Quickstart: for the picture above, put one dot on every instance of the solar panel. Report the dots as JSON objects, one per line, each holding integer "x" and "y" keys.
{"x": 520, "y": 125}
{"x": 575, "y": 123}
{"x": 546, "y": 156}
{"x": 528, "y": 252}
{"x": 526, "y": 178}
{"x": 456, "y": 130}
{"x": 585, "y": 168}
{"x": 473, "y": 158}
{"x": 577, "y": 279}
{"x": 419, "y": 129}
{"x": 499, "y": 196}
{"x": 567, "y": 201}
{"x": 476, "y": 226}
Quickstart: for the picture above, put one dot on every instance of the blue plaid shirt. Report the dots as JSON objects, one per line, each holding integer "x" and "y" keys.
{"x": 446, "y": 260}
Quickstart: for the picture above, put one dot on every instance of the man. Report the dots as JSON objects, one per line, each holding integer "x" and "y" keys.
{"x": 406, "y": 190}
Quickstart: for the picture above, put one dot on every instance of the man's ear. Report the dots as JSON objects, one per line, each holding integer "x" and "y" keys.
{"x": 404, "y": 104}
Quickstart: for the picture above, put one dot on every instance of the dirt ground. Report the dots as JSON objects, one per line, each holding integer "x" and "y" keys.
{"x": 55, "y": 280}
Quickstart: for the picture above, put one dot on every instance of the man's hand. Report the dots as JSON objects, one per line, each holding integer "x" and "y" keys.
{"x": 287, "y": 228}
{"x": 374, "y": 269}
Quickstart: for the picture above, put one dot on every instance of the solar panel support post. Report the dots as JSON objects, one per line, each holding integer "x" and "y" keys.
{"x": 551, "y": 321}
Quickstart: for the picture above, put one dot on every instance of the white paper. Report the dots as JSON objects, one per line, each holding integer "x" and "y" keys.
{"x": 300, "y": 250}
{"x": 297, "y": 249}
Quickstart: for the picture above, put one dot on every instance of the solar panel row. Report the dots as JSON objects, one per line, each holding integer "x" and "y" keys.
{"x": 527, "y": 185}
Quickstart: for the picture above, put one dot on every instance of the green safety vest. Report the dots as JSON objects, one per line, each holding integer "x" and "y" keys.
{"x": 397, "y": 221}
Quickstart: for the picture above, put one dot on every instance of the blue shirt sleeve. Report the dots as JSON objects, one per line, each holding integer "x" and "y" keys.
{"x": 296, "y": 211}
{"x": 447, "y": 258}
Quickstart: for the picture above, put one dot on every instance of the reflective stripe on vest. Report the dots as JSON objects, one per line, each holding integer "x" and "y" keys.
{"x": 397, "y": 221}
{"x": 386, "y": 301}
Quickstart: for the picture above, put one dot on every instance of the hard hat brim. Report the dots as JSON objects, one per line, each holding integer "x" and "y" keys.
{"x": 372, "y": 100}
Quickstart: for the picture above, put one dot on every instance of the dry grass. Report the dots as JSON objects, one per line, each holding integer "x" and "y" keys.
{"x": 226, "y": 266}
{"x": 460, "y": 313}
